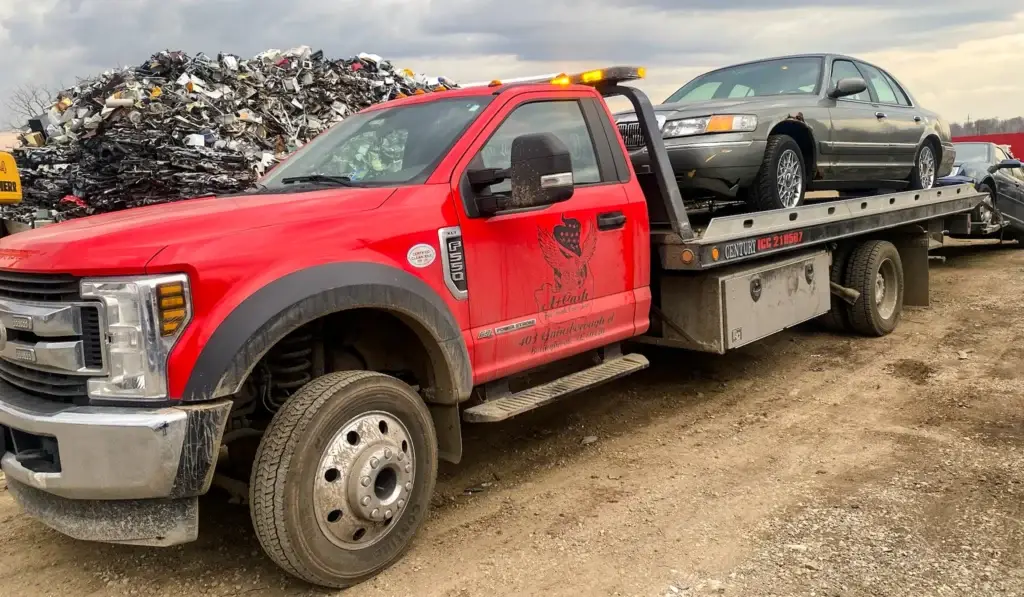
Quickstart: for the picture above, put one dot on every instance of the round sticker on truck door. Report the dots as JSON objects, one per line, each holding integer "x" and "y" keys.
{"x": 421, "y": 255}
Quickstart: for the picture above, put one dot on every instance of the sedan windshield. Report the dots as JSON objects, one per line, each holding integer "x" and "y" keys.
{"x": 783, "y": 76}
{"x": 971, "y": 152}
{"x": 391, "y": 146}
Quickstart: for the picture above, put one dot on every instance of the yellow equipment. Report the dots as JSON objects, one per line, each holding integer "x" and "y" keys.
{"x": 10, "y": 182}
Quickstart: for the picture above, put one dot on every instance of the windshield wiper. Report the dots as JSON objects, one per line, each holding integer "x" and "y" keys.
{"x": 342, "y": 181}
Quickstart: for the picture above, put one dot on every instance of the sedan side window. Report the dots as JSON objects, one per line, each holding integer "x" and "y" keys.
{"x": 844, "y": 69}
{"x": 877, "y": 82}
{"x": 901, "y": 97}
{"x": 564, "y": 118}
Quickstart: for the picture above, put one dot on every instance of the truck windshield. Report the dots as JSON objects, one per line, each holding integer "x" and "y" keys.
{"x": 783, "y": 76}
{"x": 392, "y": 146}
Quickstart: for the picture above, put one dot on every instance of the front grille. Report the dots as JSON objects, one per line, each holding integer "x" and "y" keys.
{"x": 631, "y": 135}
{"x": 44, "y": 288}
{"x": 49, "y": 289}
{"x": 56, "y": 386}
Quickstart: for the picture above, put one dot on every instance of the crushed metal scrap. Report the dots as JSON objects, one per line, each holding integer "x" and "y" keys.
{"x": 181, "y": 126}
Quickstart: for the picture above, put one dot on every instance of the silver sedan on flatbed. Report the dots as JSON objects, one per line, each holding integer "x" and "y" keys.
{"x": 769, "y": 131}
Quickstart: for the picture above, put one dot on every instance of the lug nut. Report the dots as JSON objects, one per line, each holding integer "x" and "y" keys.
{"x": 374, "y": 463}
{"x": 387, "y": 453}
{"x": 408, "y": 468}
{"x": 365, "y": 481}
{"x": 375, "y": 513}
{"x": 387, "y": 514}
{"x": 401, "y": 504}
{"x": 408, "y": 486}
{"x": 365, "y": 501}
{"x": 401, "y": 456}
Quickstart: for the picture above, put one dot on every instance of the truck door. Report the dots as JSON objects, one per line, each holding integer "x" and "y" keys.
{"x": 546, "y": 283}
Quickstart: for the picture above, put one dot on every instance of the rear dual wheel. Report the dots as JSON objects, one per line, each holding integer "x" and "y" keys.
{"x": 873, "y": 269}
{"x": 343, "y": 477}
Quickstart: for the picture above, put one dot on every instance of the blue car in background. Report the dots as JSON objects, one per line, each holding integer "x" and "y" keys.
{"x": 991, "y": 168}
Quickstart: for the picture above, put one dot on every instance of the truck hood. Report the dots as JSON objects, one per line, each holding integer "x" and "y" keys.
{"x": 118, "y": 242}
{"x": 718, "y": 106}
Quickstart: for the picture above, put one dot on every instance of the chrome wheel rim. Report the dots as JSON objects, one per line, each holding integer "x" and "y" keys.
{"x": 987, "y": 212}
{"x": 789, "y": 178}
{"x": 926, "y": 167}
{"x": 886, "y": 289}
{"x": 365, "y": 477}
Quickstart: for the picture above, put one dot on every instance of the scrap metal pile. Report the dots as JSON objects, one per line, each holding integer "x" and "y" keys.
{"x": 181, "y": 126}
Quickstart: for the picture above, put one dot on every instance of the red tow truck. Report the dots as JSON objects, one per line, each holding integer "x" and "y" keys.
{"x": 325, "y": 335}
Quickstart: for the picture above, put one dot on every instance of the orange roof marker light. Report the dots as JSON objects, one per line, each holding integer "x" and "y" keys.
{"x": 610, "y": 75}
{"x": 614, "y": 74}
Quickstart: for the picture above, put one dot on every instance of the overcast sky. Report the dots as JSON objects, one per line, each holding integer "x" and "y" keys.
{"x": 958, "y": 57}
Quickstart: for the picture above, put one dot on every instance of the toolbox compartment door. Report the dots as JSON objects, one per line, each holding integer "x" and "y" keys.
{"x": 717, "y": 311}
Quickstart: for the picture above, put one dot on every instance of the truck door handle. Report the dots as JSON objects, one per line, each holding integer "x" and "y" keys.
{"x": 880, "y": 115}
{"x": 917, "y": 119}
{"x": 611, "y": 220}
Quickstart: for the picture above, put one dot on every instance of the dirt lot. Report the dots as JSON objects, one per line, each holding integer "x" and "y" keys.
{"x": 808, "y": 464}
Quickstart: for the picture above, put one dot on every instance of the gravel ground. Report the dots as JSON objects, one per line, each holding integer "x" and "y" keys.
{"x": 807, "y": 464}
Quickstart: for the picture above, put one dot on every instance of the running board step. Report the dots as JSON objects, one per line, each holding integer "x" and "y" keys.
{"x": 511, "y": 405}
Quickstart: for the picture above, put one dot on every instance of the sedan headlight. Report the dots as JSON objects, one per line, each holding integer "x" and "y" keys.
{"x": 722, "y": 123}
{"x": 145, "y": 316}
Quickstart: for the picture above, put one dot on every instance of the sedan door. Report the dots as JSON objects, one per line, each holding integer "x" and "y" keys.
{"x": 859, "y": 145}
{"x": 906, "y": 125}
{"x": 1012, "y": 205}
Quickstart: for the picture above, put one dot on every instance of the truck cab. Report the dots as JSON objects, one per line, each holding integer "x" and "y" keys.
{"x": 322, "y": 336}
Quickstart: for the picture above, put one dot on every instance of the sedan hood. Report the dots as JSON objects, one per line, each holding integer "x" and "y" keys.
{"x": 718, "y": 106}
{"x": 128, "y": 240}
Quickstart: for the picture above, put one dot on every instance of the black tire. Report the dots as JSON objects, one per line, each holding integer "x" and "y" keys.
{"x": 867, "y": 259}
{"x": 916, "y": 183}
{"x": 764, "y": 193}
{"x": 288, "y": 462}
{"x": 838, "y": 317}
{"x": 979, "y": 211}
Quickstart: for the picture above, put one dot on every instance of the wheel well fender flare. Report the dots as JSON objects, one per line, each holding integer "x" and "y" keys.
{"x": 288, "y": 303}
{"x": 796, "y": 121}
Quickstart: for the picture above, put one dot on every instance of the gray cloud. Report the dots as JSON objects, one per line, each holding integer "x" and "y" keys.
{"x": 80, "y": 37}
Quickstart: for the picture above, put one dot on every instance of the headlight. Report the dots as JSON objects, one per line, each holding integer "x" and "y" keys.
{"x": 145, "y": 316}
{"x": 722, "y": 123}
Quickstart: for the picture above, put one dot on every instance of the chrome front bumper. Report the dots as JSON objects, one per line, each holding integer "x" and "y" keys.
{"x": 109, "y": 453}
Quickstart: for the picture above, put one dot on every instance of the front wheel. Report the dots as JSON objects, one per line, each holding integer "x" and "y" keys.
{"x": 782, "y": 180}
{"x": 926, "y": 167}
{"x": 987, "y": 214}
{"x": 343, "y": 477}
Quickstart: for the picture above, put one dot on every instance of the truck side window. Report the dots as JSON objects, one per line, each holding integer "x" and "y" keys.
{"x": 844, "y": 69}
{"x": 564, "y": 118}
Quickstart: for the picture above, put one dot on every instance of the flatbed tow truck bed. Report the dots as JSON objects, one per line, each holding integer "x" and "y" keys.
{"x": 743, "y": 237}
{"x": 736, "y": 279}
{"x": 852, "y": 263}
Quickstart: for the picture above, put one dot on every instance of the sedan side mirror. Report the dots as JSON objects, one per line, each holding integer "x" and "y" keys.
{"x": 848, "y": 87}
{"x": 1003, "y": 165}
{"x": 540, "y": 171}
